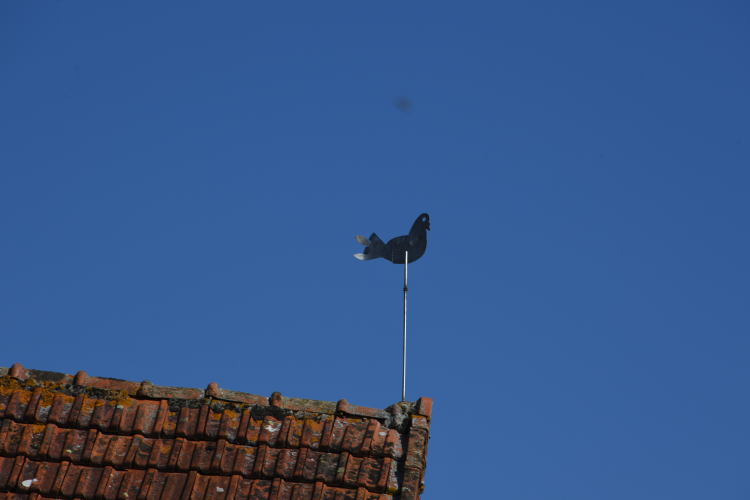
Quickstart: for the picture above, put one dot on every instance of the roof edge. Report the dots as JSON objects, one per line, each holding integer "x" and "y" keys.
{"x": 146, "y": 389}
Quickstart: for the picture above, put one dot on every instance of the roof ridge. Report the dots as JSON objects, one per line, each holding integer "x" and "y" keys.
{"x": 147, "y": 389}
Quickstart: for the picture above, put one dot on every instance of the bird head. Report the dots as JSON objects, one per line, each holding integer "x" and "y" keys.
{"x": 422, "y": 223}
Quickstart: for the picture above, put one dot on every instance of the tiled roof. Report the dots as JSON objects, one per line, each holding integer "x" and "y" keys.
{"x": 81, "y": 437}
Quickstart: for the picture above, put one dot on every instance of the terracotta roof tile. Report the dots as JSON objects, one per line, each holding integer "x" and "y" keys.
{"x": 92, "y": 438}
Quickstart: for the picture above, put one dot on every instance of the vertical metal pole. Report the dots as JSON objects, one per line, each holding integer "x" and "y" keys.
{"x": 406, "y": 267}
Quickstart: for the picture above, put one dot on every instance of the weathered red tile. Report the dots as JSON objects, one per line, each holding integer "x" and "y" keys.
{"x": 234, "y": 485}
{"x": 385, "y": 474}
{"x": 213, "y": 424}
{"x": 310, "y": 466}
{"x": 361, "y": 411}
{"x": 4, "y": 430}
{"x": 416, "y": 449}
{"x": 373, "y": 427}
{"x": 342, "y": 494}
{"x": 253, "y": 430}
{"x": 218, "y": 455}
{"x": 112, "y": 384}
{"x": 145, "y": 417}
{"x": 302, "y": 492}
{"x": 143, "y": 452}
{"x": 117, "y": 450}
{"x": 269, "y": 431}
{"x": 309, "y": 405}
{"x": 393, "y": 477}
{"x": 410, "y": 485}
{"x": 6, "y": 467}
{"x": 228, "y": 425}
{"x": 341, "y": 468}
{"x": 147, "y": 484}
{"x": 203, "y": 454}
{"x": 243, "y": 489}
{"x": 186, "y": 455}
{"x": 201, "y": 424}
{"x": 74, "y": 445}
{"x": 294, "y": 436}
{"x": 161, "y": 449}
{"x": 228, "y": 457}
{"x": 5, "y": 395}
{"x": 369, "y": 473}
{"x": 351, "y": 471}
{"x": 152, "y": 391}
{"x": 102, "y": 415}
{"x": 281, "y": 441}
{"x": 354, "y": 436}
{"x": 285, "y": 490}
{"x": 393, "y": 446}
{"x": 30, "y": 413}
{"x": 318, "y": 490}
{"x": 45, "y": 477}
{"x": 259, "y": 490}
{"x": 75, "y": 410}
{"x": 340, "y": 426}
{"x": 173, "y": 486}
{"x": 130, "y": 485}
{"x": 156, "y": 488}
{"x": 108, "y": 473}
{"x": 286, "y": 463}
{"x": 326, "y": 470}
{"x": 127, "y": 417}
{"x": 161, "y": 418}
{"x": 244, "y": 461}
{"x": 312, "y": 433}
{"x": 114, "y": 423}
{"x": 187, "y": 422}
{"x": 217, "y": 488}
{"x": 269, "y": 462}
{"x": 214, "y": 391}
{"x": 31, "y": 439}
{"x": 88, "y": 447}
{"x": 44, "y": 407}
{"x": 54, "y": 491}
{"x": 174, "y": 456}
{"x": 170, "y": 423}
{"x": 16, "y": 408}
{"x": 276, "y": 486}
{"x": 419, "y": 422}
{"x": 12, "y": 434}
{"x": 99, "y": 449}
{"x": 325, "y": 438}
{"x": 70, "y": 481}
{"x": 200, "y": 485}
{"x": 27, "y": 476}
{"x": 61, "y": 406}
{"x": 86, "y": 413}
{"x": 87, "y": 483}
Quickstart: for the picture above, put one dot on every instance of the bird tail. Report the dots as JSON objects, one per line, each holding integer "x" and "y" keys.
{"x": 375, "y": 247}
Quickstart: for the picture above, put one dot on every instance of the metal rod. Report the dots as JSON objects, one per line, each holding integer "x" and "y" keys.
{"x": 406, "y": 267}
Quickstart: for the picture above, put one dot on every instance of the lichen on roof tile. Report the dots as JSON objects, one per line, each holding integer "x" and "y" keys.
{"x": 95, "y": 437}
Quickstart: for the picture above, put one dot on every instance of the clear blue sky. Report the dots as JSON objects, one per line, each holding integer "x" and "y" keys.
{"x": 181, "y": 184}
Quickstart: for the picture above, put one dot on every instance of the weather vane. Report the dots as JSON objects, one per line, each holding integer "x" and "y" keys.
{"x": 401, "y": 250}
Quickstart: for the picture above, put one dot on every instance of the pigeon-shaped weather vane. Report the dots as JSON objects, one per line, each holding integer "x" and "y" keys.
{"x": 415, "y": 243}
{"x": 400, "y": 250}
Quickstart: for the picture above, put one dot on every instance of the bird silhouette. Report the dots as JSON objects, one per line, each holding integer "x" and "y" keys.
{"x": 395, "y": 250}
